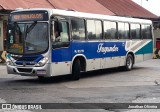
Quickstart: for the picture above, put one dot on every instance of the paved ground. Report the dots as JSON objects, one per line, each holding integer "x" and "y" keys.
{"x": 107, "y": 86}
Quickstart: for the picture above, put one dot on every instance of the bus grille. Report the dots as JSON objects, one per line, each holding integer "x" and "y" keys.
{"x": 27, "y": 70}
{"x": 27, "y": 58}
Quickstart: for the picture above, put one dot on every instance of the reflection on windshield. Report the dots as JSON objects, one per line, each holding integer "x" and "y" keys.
{"x": 27, "y": 37}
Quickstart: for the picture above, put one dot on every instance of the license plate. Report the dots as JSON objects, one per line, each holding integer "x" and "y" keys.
{"x": 41, "y": 72}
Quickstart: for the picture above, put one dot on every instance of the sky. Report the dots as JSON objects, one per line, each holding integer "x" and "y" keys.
{"x": 151, "y": 5}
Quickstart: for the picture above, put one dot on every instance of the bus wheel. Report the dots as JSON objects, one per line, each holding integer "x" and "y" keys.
{"x": 129, "y": 62}
{"x": 76, "y": 70}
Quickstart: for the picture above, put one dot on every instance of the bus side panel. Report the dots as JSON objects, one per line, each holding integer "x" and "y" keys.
{"x": 61, "y": 61}
{"x": 99, "y": 55}
{"x": 138, "y": 58}
{"x": 114, "y": 55}
{"x": 141, "y": 48}
{"x": 103, "y": 63}
{"x": 89, "y": 50}
{"x": 60, "y": 68}
{"x": 114, "y": 58}
{"x": 93, "y": 64}
{"x": 146, "y": 49}
{"x": 148, "y": 56}
{"x": 123, "y": 61}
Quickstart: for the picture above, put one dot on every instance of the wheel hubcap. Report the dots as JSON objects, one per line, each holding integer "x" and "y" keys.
{"x": 129, "y": 62}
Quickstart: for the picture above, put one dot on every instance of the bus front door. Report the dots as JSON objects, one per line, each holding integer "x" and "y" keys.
{"x": 60, "y": 48}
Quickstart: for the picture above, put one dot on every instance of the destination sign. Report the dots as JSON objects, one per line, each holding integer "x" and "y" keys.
{"x": 27, "y": 17}
{"x": 31, "y": 16}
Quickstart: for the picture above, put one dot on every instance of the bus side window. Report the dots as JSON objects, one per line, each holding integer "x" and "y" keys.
{"x": 123, "y": 30}
{"x": 63, "y": 27}
{"x": 146, "y": 32}
{"x": 94, "y": 29}
{"x": 91, "y": 29}
{"x": 110, "y": 30}
{"x": 78, "y": 29}
{"x": 135, "y": 31}
{"x": 61, "y": 34}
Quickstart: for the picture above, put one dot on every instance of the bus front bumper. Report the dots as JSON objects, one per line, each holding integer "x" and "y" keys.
{"x": 30, "y": 71}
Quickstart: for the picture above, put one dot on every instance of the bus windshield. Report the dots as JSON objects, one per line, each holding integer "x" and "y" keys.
{"x": 27, "y": 38}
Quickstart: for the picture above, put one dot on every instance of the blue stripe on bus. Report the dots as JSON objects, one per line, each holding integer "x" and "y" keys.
{"x": 90, "y": 50}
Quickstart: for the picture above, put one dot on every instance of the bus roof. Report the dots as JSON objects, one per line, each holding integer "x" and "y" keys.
{"x": 88, "y": 15}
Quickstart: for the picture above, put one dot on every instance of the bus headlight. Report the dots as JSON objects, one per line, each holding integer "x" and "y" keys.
{"x": 9, "y": 62}
{"x": 42, "y": 62}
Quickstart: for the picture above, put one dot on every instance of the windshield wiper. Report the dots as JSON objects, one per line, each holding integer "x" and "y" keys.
{"x": 28, "y": 29}
{"x": 31, "y": 27}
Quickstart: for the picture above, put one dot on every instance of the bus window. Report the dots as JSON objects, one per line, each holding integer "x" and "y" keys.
{"x": 146, "y": 32}
{"x": 135, "y": 31}
{"x": 110, "y": 30}
{"x": 94, "y": 29}
{"x": 91, "y": 29}
{"x": 98, "y": 29}
{"x": 123, "y": 30}
{"x": 78, "y": 29}
{"x": 61, "y": 35}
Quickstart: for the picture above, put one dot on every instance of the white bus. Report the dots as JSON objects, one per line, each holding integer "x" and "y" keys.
{"x": 52, "y": 42}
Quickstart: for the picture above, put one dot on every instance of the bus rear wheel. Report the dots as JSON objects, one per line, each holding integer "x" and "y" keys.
{"x": 76, "y": 70}
{"x": 129, "y": 62}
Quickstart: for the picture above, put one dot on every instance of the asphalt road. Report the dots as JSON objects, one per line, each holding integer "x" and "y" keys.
{"x": 141, "y": 85}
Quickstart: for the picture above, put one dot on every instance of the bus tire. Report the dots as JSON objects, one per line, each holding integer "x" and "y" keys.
{"x": 129, "y": 62}
{"x": 76, "y": 70}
